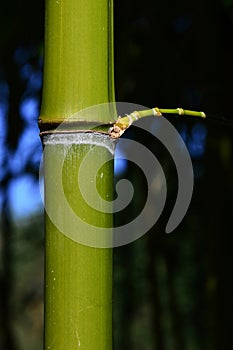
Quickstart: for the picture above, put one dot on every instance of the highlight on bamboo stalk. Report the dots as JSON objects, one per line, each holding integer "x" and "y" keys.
{"x": 123, "y": 123}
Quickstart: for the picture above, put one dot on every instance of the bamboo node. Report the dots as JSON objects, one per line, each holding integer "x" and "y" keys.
{"x": 203, "y": 115}
{"x": 115, "y": 131}
{"x": 156, "y": 112}
{"x": 180, "y": 111}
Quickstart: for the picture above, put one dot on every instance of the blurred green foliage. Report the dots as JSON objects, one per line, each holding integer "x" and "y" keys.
{"x": 27, "y": 294}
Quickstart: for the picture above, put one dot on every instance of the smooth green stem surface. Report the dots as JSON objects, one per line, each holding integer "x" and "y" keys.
{"x": 78, "y": 70}
{"x": 78, "y": 278}
{"x": 78, "y": 74}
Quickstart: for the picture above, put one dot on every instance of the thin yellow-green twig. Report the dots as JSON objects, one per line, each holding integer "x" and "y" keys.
{"x": 123, "y": 123}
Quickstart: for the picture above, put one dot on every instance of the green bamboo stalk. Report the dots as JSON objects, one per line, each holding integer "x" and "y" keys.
{"x": 78, "y": 73}
{"x": 78, "y": 57}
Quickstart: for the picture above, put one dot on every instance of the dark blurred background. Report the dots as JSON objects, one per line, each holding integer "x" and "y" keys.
{"x": 171, "y": 292}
